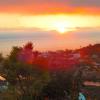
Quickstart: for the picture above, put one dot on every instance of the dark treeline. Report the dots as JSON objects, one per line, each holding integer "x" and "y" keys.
{"x": 59, "y": 75}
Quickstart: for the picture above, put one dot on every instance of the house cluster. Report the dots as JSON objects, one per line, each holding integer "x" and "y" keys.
{"x": 61, "y": 58}
{"x": 58, "y": 59}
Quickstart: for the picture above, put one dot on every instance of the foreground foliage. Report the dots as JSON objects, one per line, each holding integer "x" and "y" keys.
{"x": 32, "y": 76}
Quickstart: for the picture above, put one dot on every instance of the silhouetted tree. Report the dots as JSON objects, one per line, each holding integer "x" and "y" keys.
{"x": 27, "y": 79}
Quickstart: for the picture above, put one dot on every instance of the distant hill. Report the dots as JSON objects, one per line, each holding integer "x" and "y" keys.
{"x": 90, "y": 50}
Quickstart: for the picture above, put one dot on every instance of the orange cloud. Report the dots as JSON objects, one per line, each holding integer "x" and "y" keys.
{"x": 48, "y": 8}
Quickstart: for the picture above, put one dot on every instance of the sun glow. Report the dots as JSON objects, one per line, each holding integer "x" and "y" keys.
{"x": 60, "y": 23}
{"x": 61, "y": 27}
{"x": 61, "y": 30}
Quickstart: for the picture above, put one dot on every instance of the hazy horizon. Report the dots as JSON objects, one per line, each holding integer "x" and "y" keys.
{"x": 48, "y": 40}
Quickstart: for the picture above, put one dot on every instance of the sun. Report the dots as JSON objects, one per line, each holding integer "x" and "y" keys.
{"x": 61, "y": 30}
{"x": 61, "y": 27}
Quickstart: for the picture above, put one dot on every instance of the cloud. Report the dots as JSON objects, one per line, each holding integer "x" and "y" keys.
{"x": 84, "y": 3}
{"x": 88, "y": 3}
{"x": 85, "y": 33}
{"x": 49, "y": 6}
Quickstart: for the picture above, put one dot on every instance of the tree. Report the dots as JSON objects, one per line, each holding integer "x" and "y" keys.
{"x": 59, "y": 87}
{"x": 27, "y": 79}
{"x": 1, "y": 57}
{"x": 1, "y": 64}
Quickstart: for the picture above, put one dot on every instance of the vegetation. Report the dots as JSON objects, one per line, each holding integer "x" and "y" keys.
{"x": 32, "y": 75}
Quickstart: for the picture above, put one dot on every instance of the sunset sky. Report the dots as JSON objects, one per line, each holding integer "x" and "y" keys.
{"x": 49, "y": 24}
